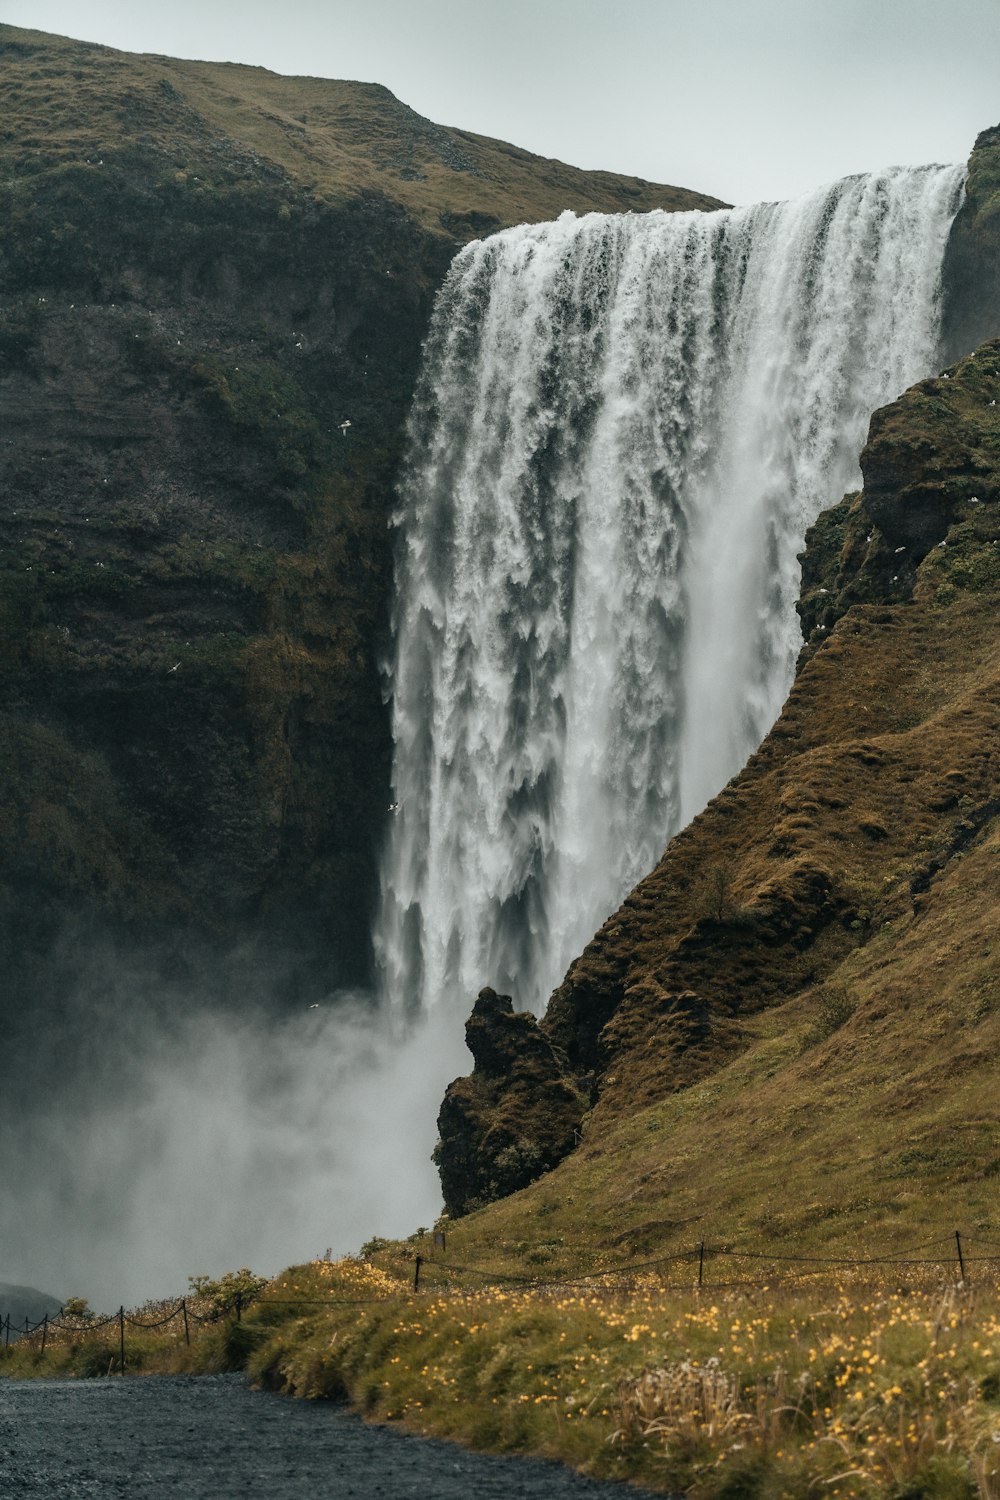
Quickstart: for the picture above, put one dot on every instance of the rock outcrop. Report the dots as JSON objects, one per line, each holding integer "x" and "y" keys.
{"x": 516, "y": 1116}
{"x": 971, "y": 310}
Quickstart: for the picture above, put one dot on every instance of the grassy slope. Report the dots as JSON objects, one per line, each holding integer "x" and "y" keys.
{"x": 336, "y": 138}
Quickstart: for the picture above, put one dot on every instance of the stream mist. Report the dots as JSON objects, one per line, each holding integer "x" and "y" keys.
{"x": 160, "y": 1136}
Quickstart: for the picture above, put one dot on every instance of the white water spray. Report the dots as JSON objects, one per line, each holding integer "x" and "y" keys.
{"x": 623, "y": 428}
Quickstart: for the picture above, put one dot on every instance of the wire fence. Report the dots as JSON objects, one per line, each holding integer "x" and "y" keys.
{"x": 85, "y": 1325}
{"x": 953, "y": 1256}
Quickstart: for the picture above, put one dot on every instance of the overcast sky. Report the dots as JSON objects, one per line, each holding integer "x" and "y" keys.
{"x": 746, "y": 99}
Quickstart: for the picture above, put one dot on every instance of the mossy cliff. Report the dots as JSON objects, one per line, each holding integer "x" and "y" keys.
{"x": 972, "y": 286}
{"x": 800, "y": 1002}
{"x": 214, "y": 283}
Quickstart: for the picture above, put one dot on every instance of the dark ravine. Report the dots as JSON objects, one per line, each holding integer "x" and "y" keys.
{"x": 205, "y": 272}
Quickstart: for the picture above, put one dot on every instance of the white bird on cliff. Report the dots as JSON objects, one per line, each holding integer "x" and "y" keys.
{"x": 344, "y": 426}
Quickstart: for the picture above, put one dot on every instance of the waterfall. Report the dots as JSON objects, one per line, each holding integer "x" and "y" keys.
{"x": 623, "y": 427}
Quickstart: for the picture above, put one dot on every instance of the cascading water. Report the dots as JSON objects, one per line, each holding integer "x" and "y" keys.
{"x": 623, "y": 427}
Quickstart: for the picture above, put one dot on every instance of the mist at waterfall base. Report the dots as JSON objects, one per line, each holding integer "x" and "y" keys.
{"x": 192, "y": 1140}
{"x": 623, "y": 427}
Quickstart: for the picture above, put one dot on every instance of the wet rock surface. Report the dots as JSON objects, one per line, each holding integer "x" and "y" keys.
{"x": 212, "y": 1438}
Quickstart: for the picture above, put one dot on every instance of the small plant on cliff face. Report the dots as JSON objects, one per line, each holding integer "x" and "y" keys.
{"x": 716, "y": 894}
{"x": 714, "y": 901}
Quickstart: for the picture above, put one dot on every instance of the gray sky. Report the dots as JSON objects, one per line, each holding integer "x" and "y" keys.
{"x": 746, "y": 99}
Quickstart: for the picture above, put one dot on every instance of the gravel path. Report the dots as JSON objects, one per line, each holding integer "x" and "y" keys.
{"x": 212, "y": 1438}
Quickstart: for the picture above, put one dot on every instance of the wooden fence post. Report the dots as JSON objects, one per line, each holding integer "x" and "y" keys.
{"x": 187, "y": 1331}
{"x": 45, "y": 1330}
{"x": 961, "y": 1261}
{"x": 416, "y": 1273}
{"x": 121, "y": 1337}
{"x": 701, "y": 1264}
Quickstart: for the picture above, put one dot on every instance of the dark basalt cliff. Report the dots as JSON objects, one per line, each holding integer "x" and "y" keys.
{"x": 214, "y": 283}
{"x": 972, "y": 286}
{"x": 881, "y": 772}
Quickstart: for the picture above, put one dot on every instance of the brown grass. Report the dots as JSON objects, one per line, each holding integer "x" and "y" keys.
{"x": 338, "y": 139}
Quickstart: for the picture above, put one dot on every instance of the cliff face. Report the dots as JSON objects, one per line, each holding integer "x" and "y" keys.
{"x": 971, "y": 310}
{"x": 214, "y": 283}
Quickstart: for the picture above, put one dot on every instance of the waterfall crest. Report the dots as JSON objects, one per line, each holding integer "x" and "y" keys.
{"x": 623, "y": 427}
